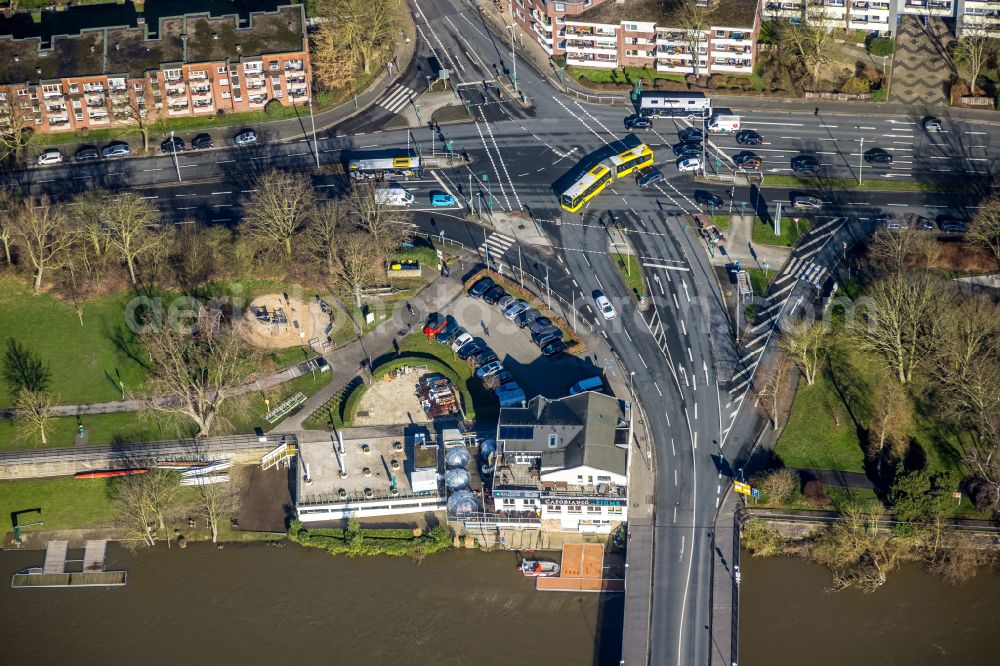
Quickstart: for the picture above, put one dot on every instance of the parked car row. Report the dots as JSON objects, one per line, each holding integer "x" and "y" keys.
{"x": 545, "y": 334}
{"x": 174, "y": 144}
{"x": 946, "y": 223}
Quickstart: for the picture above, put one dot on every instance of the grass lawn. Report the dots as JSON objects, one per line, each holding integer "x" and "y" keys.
{"x": 760, "y": 280}
{"x": 790, "y": 232}
{"x": 65, "y": 502}
{"x": 100, "y": 428}
{"x": 245, "y": 419}
{"x": 477, "y": 401}
{"x": 889, "y": 184}
{"x": 721, "y": 220}
{"x": 86, "y": 361}
{"x": 630, "y": 75}
{"x": 631, "y": 272}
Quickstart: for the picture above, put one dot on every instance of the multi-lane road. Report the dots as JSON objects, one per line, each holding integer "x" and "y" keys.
{"x": 681, "y": 354}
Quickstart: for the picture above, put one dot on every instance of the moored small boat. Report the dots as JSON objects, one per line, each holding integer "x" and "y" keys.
{"x": 109, "y": 473}
{"x": 539, "y": 568}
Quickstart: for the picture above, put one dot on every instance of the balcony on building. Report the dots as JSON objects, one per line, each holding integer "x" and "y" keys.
{"x": 99, "y": 118}
{"x": 737, "y": 65}
{"x": 294, "y": 65}
{"x": 585, "y": 31}
{"x": 205, "y": 105}
{"x": 257, "y": 99}
{"x": 178, "y": 108}
{"x": 200, "y": 75}
{"x": 591, "y": 47}
{"x": 55, "y": 108}
{"x": 57, "y": 121}
{"x": 296, "y": 93}
{"x": 544, "y": 43}
{"x": 592, "y": 60}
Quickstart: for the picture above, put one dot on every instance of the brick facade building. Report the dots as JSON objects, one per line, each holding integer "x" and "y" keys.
{"x": 186, "y": 66}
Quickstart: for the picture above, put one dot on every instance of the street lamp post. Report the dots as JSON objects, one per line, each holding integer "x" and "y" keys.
{"x": 631, "y": 375}
{"x": 513, "y": 57}
{"x": 173, "y": 151}
{"x": 861, "y": 159}
{"x": 312, "y": 120}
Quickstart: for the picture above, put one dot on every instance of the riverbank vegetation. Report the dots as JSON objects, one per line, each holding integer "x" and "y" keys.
{"x": 355, "y": 540}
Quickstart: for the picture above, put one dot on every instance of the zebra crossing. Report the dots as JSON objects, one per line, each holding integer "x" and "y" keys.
{"x": 495, "y": 245}
{"x": 812, "y": 273}
{"x": 397, "y": 97}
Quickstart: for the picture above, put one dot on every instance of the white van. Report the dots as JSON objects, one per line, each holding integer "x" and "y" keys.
{"x": 394, "y": 195}
{"x": 589, "y": 384}
{"x": 723, "y": 123}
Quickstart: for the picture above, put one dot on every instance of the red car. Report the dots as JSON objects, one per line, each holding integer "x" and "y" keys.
{"x": 435, "y": 323}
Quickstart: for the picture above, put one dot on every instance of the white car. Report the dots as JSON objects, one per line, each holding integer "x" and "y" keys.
{"x": 604, "y": 305}
{"x": 515, "y": 309}
{"x": 460, "y": 341}
{"x": 689, "y": 164}
{"x": 245, "y": 138}
{"x": 50, "y": 156}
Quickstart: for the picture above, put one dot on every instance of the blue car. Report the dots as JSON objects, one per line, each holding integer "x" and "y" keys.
{"x": 442, "y": 200}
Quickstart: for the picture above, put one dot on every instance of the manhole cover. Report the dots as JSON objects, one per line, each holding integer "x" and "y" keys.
{"x": 520, "y": 226}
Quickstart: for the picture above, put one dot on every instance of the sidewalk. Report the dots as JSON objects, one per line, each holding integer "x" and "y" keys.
{"x": 345, "y": 362}
{"x": 739, "y": 245}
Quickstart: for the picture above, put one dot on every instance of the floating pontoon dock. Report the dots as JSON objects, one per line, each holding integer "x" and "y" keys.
{"x": 53, "y": 572}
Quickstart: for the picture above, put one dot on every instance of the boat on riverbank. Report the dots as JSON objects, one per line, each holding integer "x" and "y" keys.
{"x": 539, "y": 568}
{"x": 109, "y": 473}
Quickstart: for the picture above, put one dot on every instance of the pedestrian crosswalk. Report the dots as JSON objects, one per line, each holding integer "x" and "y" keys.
{"x": 812, "y": 272}
{"x": 495, "y": 245}
{"x": 397, "y": 97}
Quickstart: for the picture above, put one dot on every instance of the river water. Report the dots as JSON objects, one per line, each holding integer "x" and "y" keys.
{"x": 257, "y": 604}
{"x": 787, "y": 619}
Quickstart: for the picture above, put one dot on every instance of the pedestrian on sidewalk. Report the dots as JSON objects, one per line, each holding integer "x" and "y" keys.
{"x": 486, "y": 331}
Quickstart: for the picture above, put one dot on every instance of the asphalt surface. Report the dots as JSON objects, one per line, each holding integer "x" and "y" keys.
{"x": 695, "y": 385}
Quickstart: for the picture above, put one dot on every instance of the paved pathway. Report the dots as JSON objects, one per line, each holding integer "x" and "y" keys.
{"x": 922, "y": 66}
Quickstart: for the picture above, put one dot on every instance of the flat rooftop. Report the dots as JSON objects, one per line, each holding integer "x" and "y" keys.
{"x": 129, "y": 49}
{"x": 666, "y": 13}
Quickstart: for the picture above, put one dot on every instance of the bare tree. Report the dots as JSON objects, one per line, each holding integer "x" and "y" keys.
{"x": 903, "y": 311}
{"x": 135, "y": 515}
{"x": 808, "y": 42}
{"x": 8, "y": 201}
{"x": 199, "y": 371}
{"x": 973, "y": 51}
{"x": 16, "y": 128}
{"x": 383, "y": 222}
{"x": 772, "y": 384}
{"x": 135, "y": 108}
{"x": 160, "y": 489}
{"x": 985, "y": 227}
{"x": 357, "y": 263}
{"x": 695, "y": 19}
{"x": 333, "y": 64}
{"x": 43, "y": 236}
{"x": 857, "y": 552}
{"x": 895, "y": 250}
{"x": 368, "y": 27}
{"x": 278, "y": 209}
{"x": 32, "y": 411}
{"x": 130, "y": 220}
{"x": 322, "y": 237}
{"x": 891, "y": 418}
{"x": 803, "y": 344}
{"x": 219, "y": 501}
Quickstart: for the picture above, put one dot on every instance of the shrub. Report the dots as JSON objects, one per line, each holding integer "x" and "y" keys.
{"x": 880, "y": 46}
{"x": 815, "y": 493}
{"x": 779, "y": 485}
{"x": 760, "y": 539}
{"x": 856, "y": 86}
{"x": 273, "y": 109}
{"x": 881, "y": 95}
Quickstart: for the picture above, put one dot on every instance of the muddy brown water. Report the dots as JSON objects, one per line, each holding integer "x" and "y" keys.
{"x": 257, "y": 604}
{"x": 786, "y": 618}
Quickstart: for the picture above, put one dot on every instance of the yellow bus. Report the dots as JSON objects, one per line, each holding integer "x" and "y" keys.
{"x": 631, "y": 160}
{"x": 586, "y": 187}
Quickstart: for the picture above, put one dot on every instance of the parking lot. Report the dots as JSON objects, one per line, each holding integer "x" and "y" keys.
{"x": 551, "y": 377}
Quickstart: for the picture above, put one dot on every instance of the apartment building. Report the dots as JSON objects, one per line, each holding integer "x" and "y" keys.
{"x": 881, "y": 16}
{"x": 562, "y": 465}
{"x": 608, "y": 34}
{"x": 188, "y": 65}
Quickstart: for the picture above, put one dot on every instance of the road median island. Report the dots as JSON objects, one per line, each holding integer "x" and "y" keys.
{"x": 886, "y": 185}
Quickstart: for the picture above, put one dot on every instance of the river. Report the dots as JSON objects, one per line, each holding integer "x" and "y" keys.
{"x": 257, "y": 604}
{"x": 786, "y": 618}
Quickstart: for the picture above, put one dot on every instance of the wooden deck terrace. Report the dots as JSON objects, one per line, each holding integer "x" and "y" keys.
{"x": 582, "y": 570}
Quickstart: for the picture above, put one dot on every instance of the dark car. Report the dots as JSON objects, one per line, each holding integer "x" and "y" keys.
{"x": 202, "y": 142}
{"x": 543, "y": 335}
{"x": 481, "y": 286}
{"x": 951, "y": 224}
{"x": 922, "y": 223}
{"x": 554, "y": 348}
{"x": 435, "y": 323}
{"x": 174, "y": 144}
{"x": 526, "y": 317}
{"x": 805, "y": 164}
{"x": 539, "y": 324}
{"x": 638, "y": 122}
{"x": 648, "y": 176}
{"x": 451, "y": 327}
{"x": 878, "y": 156}
{"x": 748, "y": 160}
{"x": 502, "y": 377}
{"x": 749, "y": 138}
{"x": 494, "y": 294}
{"x": 484, "y": 357}
{"x": 86, "y": 154}
{"x": 708, "y": 199}
{"x": 688, "y": 149}
{"x": 690, "y": 134}
{"x": 471, "y": 348}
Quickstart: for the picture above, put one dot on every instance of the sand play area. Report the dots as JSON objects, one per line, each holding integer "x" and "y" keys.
{"x": 276, "y": 322}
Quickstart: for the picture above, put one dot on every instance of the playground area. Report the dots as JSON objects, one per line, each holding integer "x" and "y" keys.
{"x": 278, "y": 321}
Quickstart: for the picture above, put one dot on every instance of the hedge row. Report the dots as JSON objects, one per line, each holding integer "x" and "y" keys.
{"x": 355, "y": 541}
{"x": 432, "y": 365}
{"x": 574, "y": 345}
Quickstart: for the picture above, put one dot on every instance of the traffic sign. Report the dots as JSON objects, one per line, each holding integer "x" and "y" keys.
{"x": 755, "y": 492}
{"x": 740, "y": 487}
